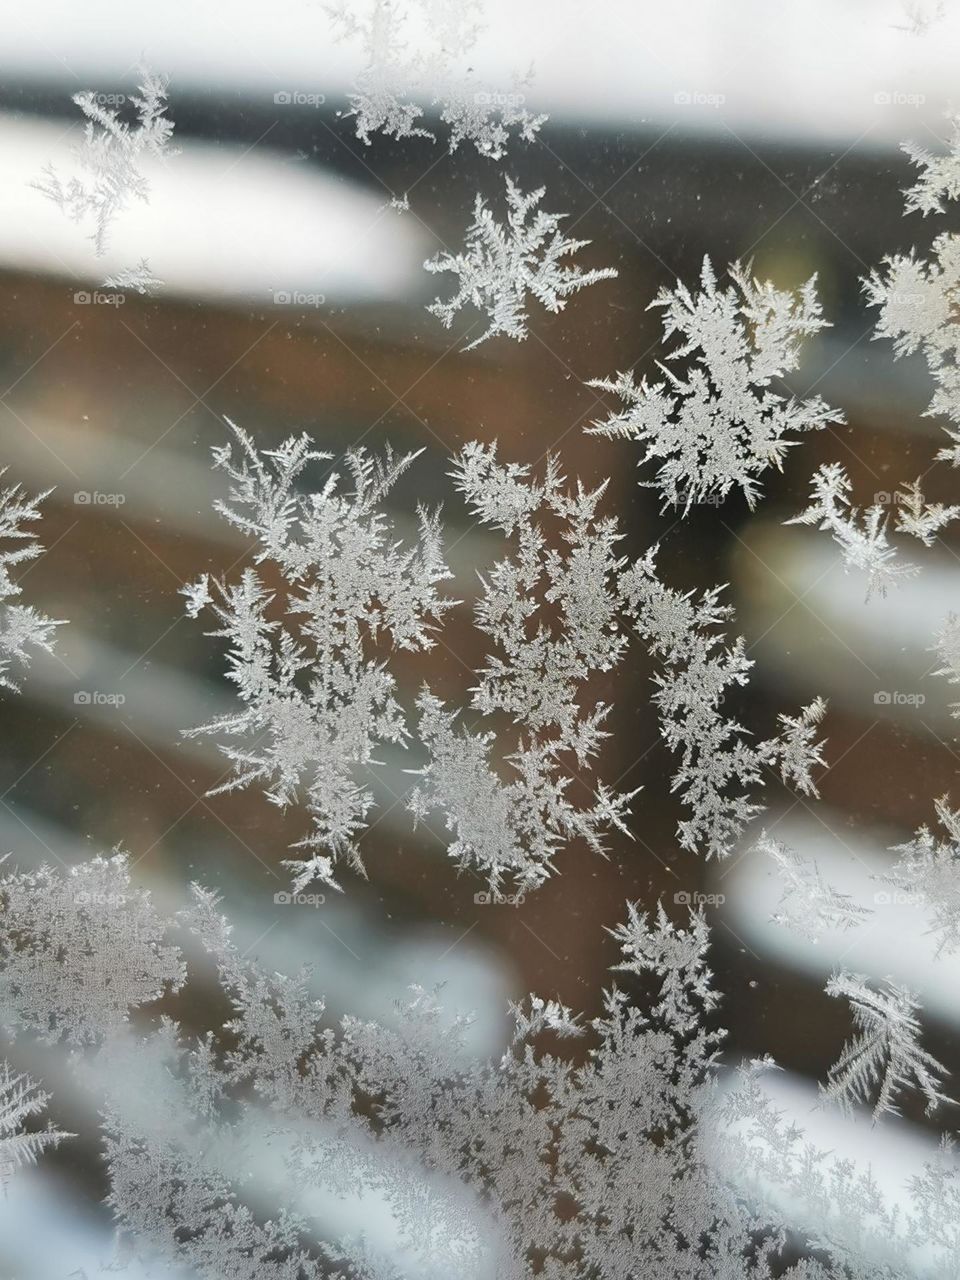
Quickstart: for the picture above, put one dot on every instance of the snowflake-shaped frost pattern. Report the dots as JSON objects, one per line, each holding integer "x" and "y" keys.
{"x": 720, "y": 422}
{"x": 504, "y": 264}
{"x": 308, "y": 660}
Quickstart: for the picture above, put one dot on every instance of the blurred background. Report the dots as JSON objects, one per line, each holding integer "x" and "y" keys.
{"x": 294, "y": 300}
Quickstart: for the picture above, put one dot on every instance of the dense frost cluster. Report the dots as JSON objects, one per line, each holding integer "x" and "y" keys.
{"x": 918, "y": 296}
{"x": 592, "y": 1148}
{"x": 416, "y": 57}
{"x": 606, "y": 1164}
{"x": 559, "y": 610}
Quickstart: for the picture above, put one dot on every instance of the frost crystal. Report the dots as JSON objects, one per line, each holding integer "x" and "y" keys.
{"x": 535, "y": 678}
{"x": 139, "y": 278}
{"x": 918, "y": 298}
{"x": 721, "y": 424}
{"x": 316, "y": 703}
{"x": 697, "y": 669}
{"x": 676, "y": 957}
{"x": 604, "y": 1163}
{"x": 864, "y": 546}
{"x": 316, "y": 700}
{"x": 77, "y": 951}
{"x": 928, "y": 870}
{"x": 809, "y": 906}
{"x": 19, "y": 1101}
{"x": 918, "y": 301}
{"x": 886, "y": 1055}
{"x": 919, "y": 518}
{"x": 557, "y": 619}
{"x": 544, "y": 1015}
{"x": 110, "y": 154}
{"x": 225, "y": 1148}
{"x": 22, "y": 628}
{"x": 921, "y": 15}
{"x": 836, "y": 1204}
{"x": 940, "y": 177}
{"x": 502, "y": 264}
{"x": 947, "y": 646}
{"x": 401, "y": 73}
